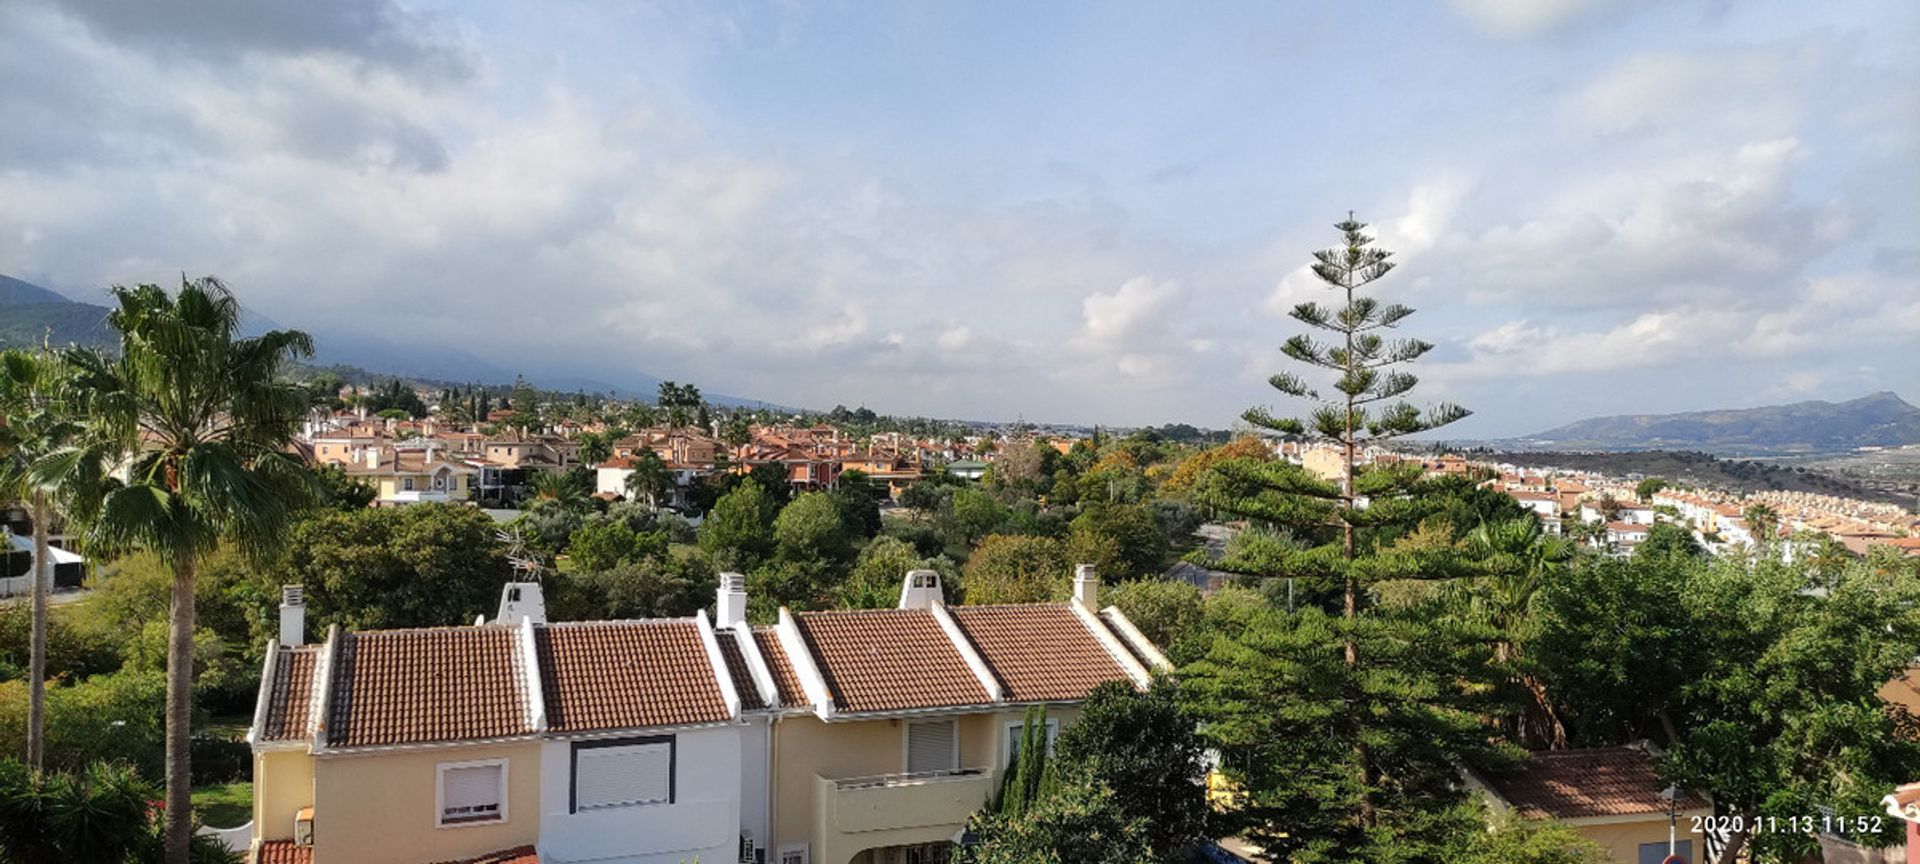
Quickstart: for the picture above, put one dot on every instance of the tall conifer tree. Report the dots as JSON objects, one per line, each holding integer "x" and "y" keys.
{"x": 1344, "y": 719}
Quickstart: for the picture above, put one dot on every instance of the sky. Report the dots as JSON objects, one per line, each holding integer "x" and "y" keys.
{"x": 1089, "y": 212}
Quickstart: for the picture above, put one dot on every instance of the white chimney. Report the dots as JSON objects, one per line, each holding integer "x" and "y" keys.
{"x": 731, "y": 608}
{"x": 521, "y": 601}
{"x": 922, "y": 590}
{"x": 1086, "y": 586}
{"x": 373, "y": 456}
{"x": 293, "y": 616}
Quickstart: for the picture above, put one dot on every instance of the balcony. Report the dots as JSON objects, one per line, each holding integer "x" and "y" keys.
{"x": 856, "y": 813}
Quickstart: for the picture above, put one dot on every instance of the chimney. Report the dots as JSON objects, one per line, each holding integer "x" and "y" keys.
{"x": 293, "y": 616}
{"x": 521, "y": 601}
{"x": 732, "y": 606}
{"x": 1086, "y": 586}
{"x": 921, "y": 591}
{"x": 373, "y": 456}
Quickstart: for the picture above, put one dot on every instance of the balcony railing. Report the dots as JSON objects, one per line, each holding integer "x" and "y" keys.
{"x": 882, "y": 781}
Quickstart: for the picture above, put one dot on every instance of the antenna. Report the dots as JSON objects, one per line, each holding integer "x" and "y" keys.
{"x": 526, "y": 563}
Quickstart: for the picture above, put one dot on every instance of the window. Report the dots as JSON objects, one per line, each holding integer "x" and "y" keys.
{"x": 1654, "y": 853}
{"x": 629, "y": 772}
{"x": 1015, "y": 731}
{"x": 472, "y": 793}
{"x": 409, "y": 486}
{"x": 932, "y": 745}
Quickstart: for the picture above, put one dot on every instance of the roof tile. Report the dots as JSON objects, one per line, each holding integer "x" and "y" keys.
{"x": 785, "y": 680}
{"x": 626, "y": 674}
{"x": 1599, "y": 781}
{"x": 737, "y": 670}
{"x": 423, "y": 686}
{"x": 889, "y": 660}
{"x": 290, "y": 701}
{"x": 1041, "y": 653}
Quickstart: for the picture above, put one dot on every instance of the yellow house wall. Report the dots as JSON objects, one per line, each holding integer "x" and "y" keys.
{"x": 282, "y": 784}
{"x": 1622, "y": 840}
{"x": 806, "y": 747}
{"x": 379, "y": 808}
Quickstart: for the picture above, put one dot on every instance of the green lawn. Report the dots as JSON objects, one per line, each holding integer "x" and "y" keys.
{"x": 226, "y": 805}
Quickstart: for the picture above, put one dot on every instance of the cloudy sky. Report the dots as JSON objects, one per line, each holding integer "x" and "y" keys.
{"x": 1087, "y": 212}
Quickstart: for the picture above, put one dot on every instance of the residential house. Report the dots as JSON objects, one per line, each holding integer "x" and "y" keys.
{"x": 410, "y": 476}
{"x": 896, "y": 470}
{"x": 1611, "y": 795}
{"x": 851, "y": 737}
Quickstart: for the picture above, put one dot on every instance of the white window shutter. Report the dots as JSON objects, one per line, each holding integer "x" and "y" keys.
{"x": 931, "y": 746}
{"x": 470, "y": 794}
{"x": 624, "y": 775}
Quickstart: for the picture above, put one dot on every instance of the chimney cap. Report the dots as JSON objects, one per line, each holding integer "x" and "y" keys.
{"x": 293, "y": 595}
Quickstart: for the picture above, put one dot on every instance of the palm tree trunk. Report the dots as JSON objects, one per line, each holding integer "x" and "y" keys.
{"x": 179, "y": 770}
{"x": 37, "y": 653}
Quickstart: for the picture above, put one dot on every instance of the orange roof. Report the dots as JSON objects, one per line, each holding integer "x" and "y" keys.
{"x": 737, "y": 670}
{"x": 284, "y": 852}
{"x": 1600, "y": 781}
{"x": 516, "y": 855}
{"x": 421, "y": 686}
{"x": 1040, "y": 653}
{"x": 888, "y": 660}
{"x": 1904, "y": 692}
{"x": 289, "y": 702}
{"x": 785, "y": 680}
{"x": 626, "y": 674}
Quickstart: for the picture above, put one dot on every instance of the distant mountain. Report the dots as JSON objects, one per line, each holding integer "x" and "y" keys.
{"x": 16, "y": 292}
{"x": 30, "y": 313}
{"x": 1880, "y": 420}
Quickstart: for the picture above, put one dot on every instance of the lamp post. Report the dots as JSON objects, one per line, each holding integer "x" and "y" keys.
{"x": 1672, "y": 795}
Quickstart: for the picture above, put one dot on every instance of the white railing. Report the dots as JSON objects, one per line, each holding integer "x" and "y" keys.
{"x": 881, "y": 781}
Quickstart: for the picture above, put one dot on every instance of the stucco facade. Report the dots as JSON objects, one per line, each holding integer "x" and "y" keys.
{"x": 381, "y": 807}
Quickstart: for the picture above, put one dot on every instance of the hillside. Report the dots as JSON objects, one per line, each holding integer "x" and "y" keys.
{"x": 1880, "y": 420}
{"x": 30, "y": 314}
{"x": 1705, "y": 470}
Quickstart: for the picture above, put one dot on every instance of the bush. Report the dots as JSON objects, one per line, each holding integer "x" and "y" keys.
{"x": 102, "y": 813}
{"x": 72, "y": 651}
{"x": 115, "y": 717}
{"x": 1017, "y": 569}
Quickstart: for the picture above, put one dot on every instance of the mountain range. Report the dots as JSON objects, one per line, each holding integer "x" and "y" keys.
{"x": 1878, "y": 420}
{"x": 30, "y": 313}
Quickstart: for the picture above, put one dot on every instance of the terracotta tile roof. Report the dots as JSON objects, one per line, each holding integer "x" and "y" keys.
{"x": 888, "y": 660}
{"x": 516, "y": 855}
{"x": 625, "y": 675}
{"x": 420, "y": 686}
{"x": 1904, "y": 803}
{"x": 1040, "y": 653}
{"x": 289, "y": 702}
{"x": 284, "y": 852}
{"x": 785, "y": 680}
{"x": 1903, "y": 693}
{"x": 1600, "y": 781}
{"x": 737, "y": 670}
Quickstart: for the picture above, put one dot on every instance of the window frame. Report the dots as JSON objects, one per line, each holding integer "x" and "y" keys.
{"x": 906, "y": 743}
{"x": 1013, "y": 728}
{"x": 440, "y": 792}
{"x": 573, "y": 770}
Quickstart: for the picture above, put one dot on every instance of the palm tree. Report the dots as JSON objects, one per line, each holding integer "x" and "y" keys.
{"x": 40, "y": 447}
{"x": 595, "y": 448}
{"x": 556, "y": 486}
{"x": 1517, "y": 559}
{"x": 205, "y": 418}
{"x": 649, "y": 477}
{"x": 1763, "y": 523}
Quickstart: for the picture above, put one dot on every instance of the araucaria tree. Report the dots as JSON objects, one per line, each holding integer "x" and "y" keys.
{"x": 1344, "y": 719}
{"x": 205, "y": 416}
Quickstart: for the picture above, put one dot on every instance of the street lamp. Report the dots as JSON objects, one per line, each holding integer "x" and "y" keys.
{"x": 1672, "y": 795}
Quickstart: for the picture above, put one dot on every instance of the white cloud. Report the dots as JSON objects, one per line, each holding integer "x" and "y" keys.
{"x": 1521, "y": 18}
{"x": 1124, "y": 314}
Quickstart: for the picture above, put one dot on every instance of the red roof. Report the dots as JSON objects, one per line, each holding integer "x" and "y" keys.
{"x": 626, "y": 674}
{"x": 1040, "y": 653}
{"x": 422, "y": 686}
{"x": 284, "y": 852}
{"x": 1599, "y": 781}
{"x": 290, "y": 701}
{"x": 888, "y": 660}
{"x": 785, "y": 680}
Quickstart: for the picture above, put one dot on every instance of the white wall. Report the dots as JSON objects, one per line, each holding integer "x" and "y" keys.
{"x": 611, "y": 480}
{"x": 755, "y": 788}
{"x": 703, "y": 820}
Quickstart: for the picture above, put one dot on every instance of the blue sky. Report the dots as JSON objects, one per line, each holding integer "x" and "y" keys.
{"x": 1090, "y": 212}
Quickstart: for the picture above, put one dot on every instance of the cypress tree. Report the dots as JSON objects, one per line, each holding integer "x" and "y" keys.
{"x": 1347, "y": 707}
